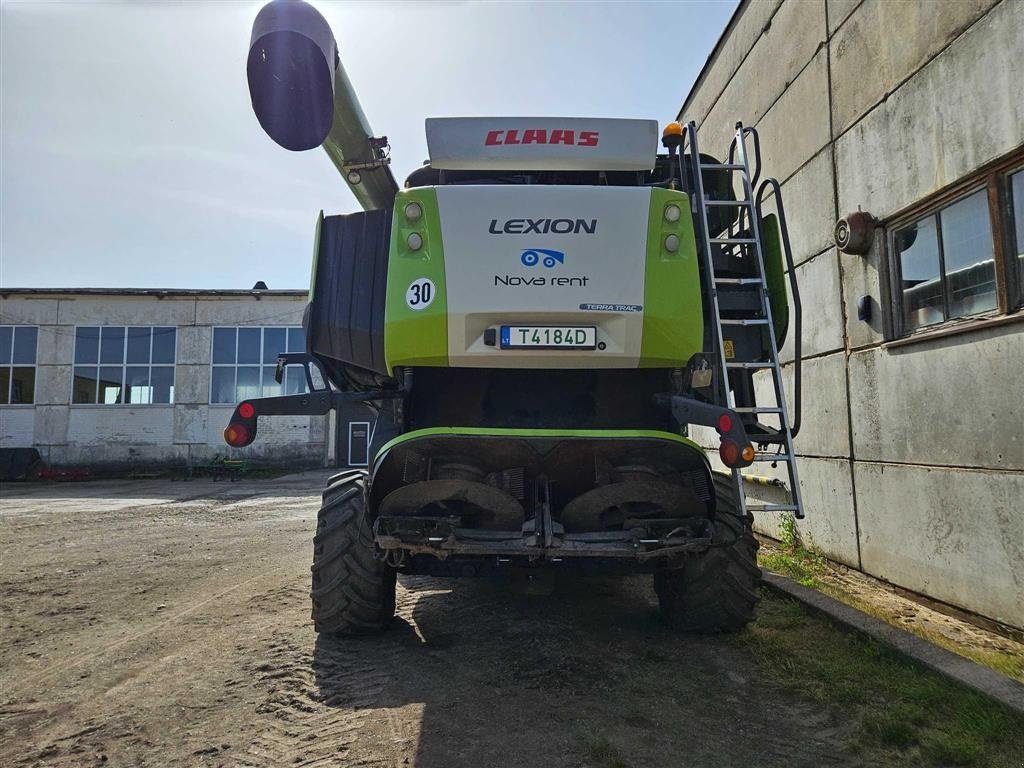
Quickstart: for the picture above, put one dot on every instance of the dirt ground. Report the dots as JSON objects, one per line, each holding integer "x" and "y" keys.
{"x": 166, "y": 623}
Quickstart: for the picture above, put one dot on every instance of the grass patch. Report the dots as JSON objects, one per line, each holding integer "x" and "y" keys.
{"x": 792, "y": 558}
{"x": 805, "y": 566}
{"x": 901, "y": 714}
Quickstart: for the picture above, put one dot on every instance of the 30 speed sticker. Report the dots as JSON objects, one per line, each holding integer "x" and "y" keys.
{"x": 421, "y": 293}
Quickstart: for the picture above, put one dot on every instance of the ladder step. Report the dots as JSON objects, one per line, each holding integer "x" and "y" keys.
{"x": 745, "y": 321}
{"x": 772, "y": 457}
{"x": 737, "y": 281}
{"x": 773, "y": 508}
{"x": 733, "y": 240}
{"x": 758, "y": 410}
{"x": 721, "y": 167}
{"x": 752, "y": 365}
{"x": 724, "y": 203}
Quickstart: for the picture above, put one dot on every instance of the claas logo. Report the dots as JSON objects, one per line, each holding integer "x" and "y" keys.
{"x": 542, "y": 136}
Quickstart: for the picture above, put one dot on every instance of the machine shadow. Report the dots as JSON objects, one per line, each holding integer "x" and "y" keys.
{"x": 586, "y": 675}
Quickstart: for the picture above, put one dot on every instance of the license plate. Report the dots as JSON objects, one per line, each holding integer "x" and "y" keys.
{"x": 548, "y": 337}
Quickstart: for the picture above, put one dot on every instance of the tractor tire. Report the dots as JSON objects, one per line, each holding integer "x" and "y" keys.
{"x": 353, "y": 592}
{"x": 715, "y": 590}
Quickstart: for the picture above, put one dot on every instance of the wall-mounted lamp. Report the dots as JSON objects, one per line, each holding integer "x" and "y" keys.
{"x": 855, "y": 232}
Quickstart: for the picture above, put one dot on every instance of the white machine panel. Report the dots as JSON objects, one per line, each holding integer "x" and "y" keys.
{"x": 544, "y": 256}
{"x": 541, "y": 144}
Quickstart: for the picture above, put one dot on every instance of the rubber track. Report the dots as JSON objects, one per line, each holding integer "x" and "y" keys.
{"x": 352, "y": 592}
{"x": 715, "y": 590}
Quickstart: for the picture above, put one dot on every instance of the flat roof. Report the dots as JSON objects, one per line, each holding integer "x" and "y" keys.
{"x": 740, "y": 6}
{"x": 158, "y": 292}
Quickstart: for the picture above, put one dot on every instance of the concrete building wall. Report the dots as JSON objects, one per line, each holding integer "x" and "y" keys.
{"x": 912, "y": 452}
{"x": 187, "y": 432}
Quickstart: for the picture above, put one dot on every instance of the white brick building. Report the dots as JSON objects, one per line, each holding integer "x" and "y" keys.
{"x": 96, "y": 377}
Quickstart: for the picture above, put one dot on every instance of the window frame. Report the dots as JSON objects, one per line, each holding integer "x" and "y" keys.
{"x": 10, "y": 365}
{"x": 124, "y": 365}
{"x": 236, "y": 365}
{"x": 995, "y": 180}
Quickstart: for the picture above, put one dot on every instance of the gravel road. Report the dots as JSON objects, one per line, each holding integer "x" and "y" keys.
{"x": 159, "y": 623}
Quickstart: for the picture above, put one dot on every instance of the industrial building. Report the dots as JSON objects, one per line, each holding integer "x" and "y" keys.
{"x": 148, "y": 378}
{"x": 911, "y": 454}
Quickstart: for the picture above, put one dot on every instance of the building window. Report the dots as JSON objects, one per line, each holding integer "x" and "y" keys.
{"x": 118, "y": 365}
{"x": 18, "y": 364}
{"x": 960, "y": 256}
{"x": 245, "y": 360}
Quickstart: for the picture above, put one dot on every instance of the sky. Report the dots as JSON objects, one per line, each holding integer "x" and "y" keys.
{"x": 130, "y": 156}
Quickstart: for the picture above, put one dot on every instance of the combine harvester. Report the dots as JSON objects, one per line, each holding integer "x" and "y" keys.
{"x": 542, "y": 311}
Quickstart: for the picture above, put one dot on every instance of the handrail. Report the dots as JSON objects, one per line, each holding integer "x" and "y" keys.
{"x": 794, "y": 289}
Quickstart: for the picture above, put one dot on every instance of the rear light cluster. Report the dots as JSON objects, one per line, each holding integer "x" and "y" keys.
{"x": 236, "y": 435}
{"x": 242, "y": 429}
{"x": 732, "y": 453}
{"x": 734, "y": 456}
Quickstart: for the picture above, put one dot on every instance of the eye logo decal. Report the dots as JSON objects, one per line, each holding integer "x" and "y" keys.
{"x": 533, "y": 256}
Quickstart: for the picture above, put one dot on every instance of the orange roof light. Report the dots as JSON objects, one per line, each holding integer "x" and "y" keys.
{"x": 672, "y": 129}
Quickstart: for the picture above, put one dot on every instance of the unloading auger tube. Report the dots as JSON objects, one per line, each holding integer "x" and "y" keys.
{"x": 303, "y": 98}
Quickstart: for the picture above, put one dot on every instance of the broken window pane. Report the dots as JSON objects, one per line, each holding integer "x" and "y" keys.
{"x": 968, "y": 254}
{"x": 918, "y": 250}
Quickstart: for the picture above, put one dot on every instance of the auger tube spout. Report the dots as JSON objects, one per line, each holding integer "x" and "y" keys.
{"x": 303, "y": 98}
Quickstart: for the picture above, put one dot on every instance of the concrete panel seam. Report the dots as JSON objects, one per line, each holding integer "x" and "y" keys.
{"x": 885, "y": 97}
{"x": 739, "y": 66}
{"x": 843, "y": 22}
{"x": 958, "y": 467}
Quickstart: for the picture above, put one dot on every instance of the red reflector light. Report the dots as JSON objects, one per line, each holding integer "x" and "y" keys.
{"x": 246, "y": 411}
{"x": 729, "y": 452}
{"x": 724, "y": 423}
{"x": 236, "y": 435}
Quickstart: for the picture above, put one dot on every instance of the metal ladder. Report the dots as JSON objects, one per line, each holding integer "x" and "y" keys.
{"x": 735, "y": 237}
